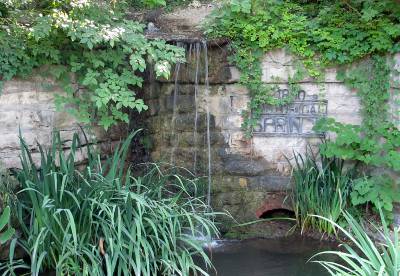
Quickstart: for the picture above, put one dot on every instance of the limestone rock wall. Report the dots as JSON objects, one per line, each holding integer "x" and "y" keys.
{"x": 28, "y": 106}
{"x": 246, "y": 173}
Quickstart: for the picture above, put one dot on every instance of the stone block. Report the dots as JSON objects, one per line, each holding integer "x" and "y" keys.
{"x": 347, "y": 118}
{"x": 27, "y": 106}
{"x": 181, "y": 103}
{"x": 229, "y": 198}
{"x": 64, "y": 120}
{"x": 154, "y": 124}
{"x": 229, "y": 122}
{"x": 192, "y": 138}
{"x": 279, "y": 148}
{"x": 239, "y": 104}
{"x": 18, "y": 86}
{"x": 218, "y": 67}
{"x": 154, "y": 107}
{"x": 226, "y": 183}
{"x": 166, "y": 89}
{"x": 185, "y": 122}
{"x": 194, "y": 159}
{"x": 10, "y": 140}
{"x": 238, "y": 140}
{"x": 270, "y": 183}
{"x": 219, "y": 105}
{"x": 29, "y": 98}
{"x": 396, "y": 77}
{"x": 335, "y": 90}
{"x": 243, "y": 182}
{"x": 236, "y": 89}
{"x": 343, "y": 105}
{"x": 277, "y": 65}
{"x": 154, "y": 90}
{"x": 244, "y": 166}
{"x": 234, "y": 75}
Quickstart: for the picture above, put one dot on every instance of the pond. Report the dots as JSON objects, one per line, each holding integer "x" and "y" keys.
{"x": 263, "y": 257}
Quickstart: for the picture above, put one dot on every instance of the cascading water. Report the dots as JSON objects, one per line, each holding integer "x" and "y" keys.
{"x": 196, "y": 113}
{"x": 207, "y": 92}
{"x": 194, "y": 51}
{"x": 175, "y": 141}
{"x": 195, "y": 70}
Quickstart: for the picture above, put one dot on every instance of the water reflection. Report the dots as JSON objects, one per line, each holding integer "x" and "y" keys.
{"x": 264, "y": 257}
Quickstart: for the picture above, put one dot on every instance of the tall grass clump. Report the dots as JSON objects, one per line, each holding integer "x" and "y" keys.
{"x": 321, "y": 186}
{"x": 364, "y": 256}
{"x": 101, "y": 220}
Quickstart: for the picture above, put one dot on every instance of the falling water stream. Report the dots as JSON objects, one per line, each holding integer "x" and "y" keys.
{"x": 196, "y": 112}
{"x": 198, "y": 48}
{"x": 174, "y": 139}
{"x": 207, "y": 92}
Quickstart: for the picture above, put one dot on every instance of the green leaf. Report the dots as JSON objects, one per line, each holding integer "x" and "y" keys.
{"x": 7, "y": 235}
{"x": 5, "y": 217}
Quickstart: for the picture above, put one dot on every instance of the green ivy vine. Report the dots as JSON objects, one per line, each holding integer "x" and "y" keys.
{"x": 377, "y": 140}
{"x": 358, "y": 36}
{"x": 320, "y": 33}
{"x": 96, "y": 55}
{"x": 373, "y": 144}
{"x": 248, "y": 62}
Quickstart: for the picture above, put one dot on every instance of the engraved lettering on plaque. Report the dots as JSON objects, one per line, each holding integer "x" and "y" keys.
{"x": 295, "y": 119}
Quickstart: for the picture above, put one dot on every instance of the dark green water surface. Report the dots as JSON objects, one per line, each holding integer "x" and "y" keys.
{"x": 268, "y": 257}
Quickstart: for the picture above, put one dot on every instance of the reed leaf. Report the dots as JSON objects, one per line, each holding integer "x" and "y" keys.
{"x": 321, "y": 186}
{"x": 100, "y": 220}
{"x": 364, "y": 256}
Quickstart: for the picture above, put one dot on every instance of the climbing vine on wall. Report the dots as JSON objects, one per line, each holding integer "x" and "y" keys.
{"x": 377, "y": 140}
{"x": 319, "y": 33}
{"x": 90, "y": 39}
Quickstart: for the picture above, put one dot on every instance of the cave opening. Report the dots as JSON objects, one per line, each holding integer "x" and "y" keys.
{"x": 278, "y": 213}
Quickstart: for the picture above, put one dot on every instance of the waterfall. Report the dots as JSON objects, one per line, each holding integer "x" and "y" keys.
{"x": 174, "y": 141}
{"x": 195, "y": 71}
{"x": 195, "y": 51}
{"x": 207, "y": 92}
{"x": 196, "y": 112}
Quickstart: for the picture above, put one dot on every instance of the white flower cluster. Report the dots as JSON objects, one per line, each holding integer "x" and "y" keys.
{"x": 163, "y": 68}
{"x": 88, "y": 23}
{"x": 62, "y": 20}
{"x": 87, "y": 29}
{"x": 80, "y": 3}
{"x": 112, "y": 33}
{"x": 11, "y": 3}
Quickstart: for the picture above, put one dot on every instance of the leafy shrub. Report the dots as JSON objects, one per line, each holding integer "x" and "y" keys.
{"x": 364, "y": 257}
{"x": 321, "y": 186}
{"x": 103, "y": 221}
{"x": 335, "y": 31}
{"x": 381, "y": 191}
{"x": 90, "y": 40}
{"x": 351, "y": 143}
{"x": 372, "y": 147}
